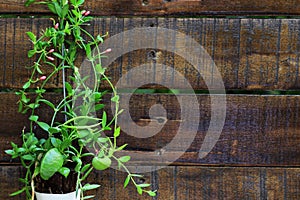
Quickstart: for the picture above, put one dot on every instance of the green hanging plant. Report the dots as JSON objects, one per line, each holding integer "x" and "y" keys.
{"x": 62, "y": 150}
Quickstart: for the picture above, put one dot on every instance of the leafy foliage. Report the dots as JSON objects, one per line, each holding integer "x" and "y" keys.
{"x": 57, "y": 48}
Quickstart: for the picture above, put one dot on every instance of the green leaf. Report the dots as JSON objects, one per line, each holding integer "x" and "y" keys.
{"x": 55, "y": 142}
{"x": 83, "y": 133}
{"x": 139, "y": 190}
{"x": 29, "y": 2}
{"x": 101, "y": 163}
{"x": 89, "y": 197}
{"x": 104, "y": 119}
{"x": 88, "y": 52}
{"x": 137, "y": 175}
{"x": 67, "y": 28}
{"x": 121, "y": 147}
{"x": 117, "y": 132}
{"x": 90, "y": 187}
{"x": 99, "y": 107}
{"x": 33, "y": 105}
{"x": 20, "y": 108}
{"x": 144, "y": 185}
{"x": 33, "y": 118}
{"x": 102, "y": 140}
{"x": 51, "y": 163}
{"x": 86, "y": 174}
{"x": 79, "y": 2}
{"x": 39, "y": 70}
{"x": 31, "y": 53}
{"x": 124, "y": 159}
{"x": 73, "y": 2}
{"x": 52, "y": 8}
{"x": 26, "y": 85}
{"x": 28, "y": 157}
{"x": 85, "y": 167}
{"x": 36, "y": 171}
{"x": 65, "y": 143}
{"x": 31, "y": 36}
{"x": 47, "y": 103}
{"x": 151, "y": 193}
{"x": 53, "y": 130}
{"x": 126, "y": 182}
{"x": 58, "y": 9}
{"x": 77, "y": 14}
{"x": 115, "y": 98}
{"x": 18, "y": 192}
{"x": 9, "y": 152}
{"x": 43, "y": 125}
{"x": 69, "y": 88}
{"x": 99, "y": 39}
{"x": 65, "y": 10}
{"x": 58, "y": 55}
{"x": 64, "y": 171}
{"x": 40, "y": 91}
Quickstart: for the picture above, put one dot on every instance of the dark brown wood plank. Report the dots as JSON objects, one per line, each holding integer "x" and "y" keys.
{"x": 171, "y": 7}
{"x": 186, "y": 183}
{"x": 249, "y": 53}
{"x": 258, "y": 130}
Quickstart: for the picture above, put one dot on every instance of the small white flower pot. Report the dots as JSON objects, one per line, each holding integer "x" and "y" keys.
{"x": 68, "y": 196}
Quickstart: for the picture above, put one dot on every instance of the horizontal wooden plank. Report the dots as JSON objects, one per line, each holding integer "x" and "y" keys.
{"x": 186, "y": 183}
{"x": 171, "y": 7}
{"x": 258, "y": 130}
{"x": 257, "y": 54}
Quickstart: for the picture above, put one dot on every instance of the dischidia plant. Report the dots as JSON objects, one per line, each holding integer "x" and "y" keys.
{"x": 62, "y": 149}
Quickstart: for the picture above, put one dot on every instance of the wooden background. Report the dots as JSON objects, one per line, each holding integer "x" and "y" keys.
{"x": 258, "y": 153}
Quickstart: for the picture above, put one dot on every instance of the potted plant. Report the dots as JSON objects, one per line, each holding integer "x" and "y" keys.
{"x": 68, "y": 149}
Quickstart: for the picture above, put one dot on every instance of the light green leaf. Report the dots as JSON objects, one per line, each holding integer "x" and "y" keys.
{"x": 33, "y": 118}
{"x": 126, "y": 182}
{"x": 31, "y": 36}
{"x": 18, "y": 192}
{"x": 117, "y": 132}
{"x": 53, "y": 130}
{"x": 64, "y": 171}
{"x": 115, "y": 98}
{"x": 121, "y": 147}
{"x": 124, "y": 159}
{"x": 85, "y": 167}
{"x": 144, "y": 185}
{"x": 151, "y": 193}
{"x": 88, "y": 51}
{"x": 47, "y": 103}
{"x": 43, "y": 125}
{"x": 31, "y": 53}
{"x": 28, "y": 2}
{"x": 90, "y": 187}
{"x": 104, "y": 119}
{"x": 65, "y": 10}
{"x": 26, "y": 85}
{"x": 58, "y": 55}
{"x": 51, "y": 163}
{"x": 52, "y": 8}
{"x": 101, "y": 163}
{"x": 139, "y": 190}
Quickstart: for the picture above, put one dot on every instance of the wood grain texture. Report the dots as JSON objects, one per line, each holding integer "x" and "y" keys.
{"x": 170, "y": 7}
{"x": 186, "y": 183}
{"x": 253, "y": 54}
{"x": 258, "y": 130}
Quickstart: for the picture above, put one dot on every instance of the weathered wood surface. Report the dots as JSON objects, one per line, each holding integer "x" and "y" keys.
{"x": 249, "y": 53}
{"x": 171, "y": 7}
{"x": 258, "y": 130}
{"x": 186, "y": 183}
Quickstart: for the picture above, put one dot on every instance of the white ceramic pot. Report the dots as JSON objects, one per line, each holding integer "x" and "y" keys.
{"x": 68, "y": 196}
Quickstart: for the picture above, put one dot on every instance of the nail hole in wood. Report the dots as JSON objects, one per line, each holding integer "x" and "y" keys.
{"x": 145, "y": 2}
